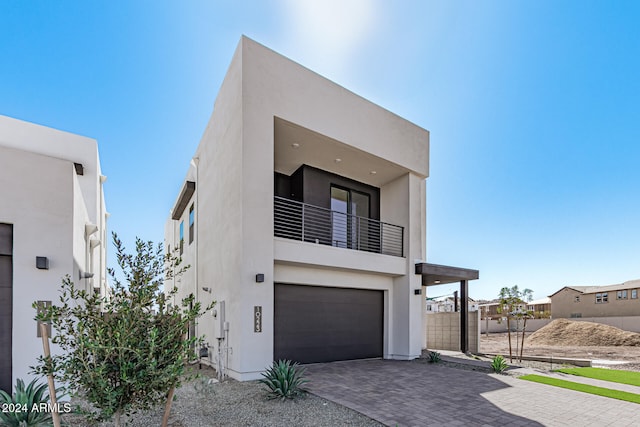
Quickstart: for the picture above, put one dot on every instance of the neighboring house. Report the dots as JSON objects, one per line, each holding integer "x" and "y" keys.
{"x": 541, "y": 308}
{"x": 303, "y": 214}
{"x": 596, "y": 301}
{"x": 489, "y": 309}
{"x": 52, "y": 224}
{"x": 447, "y": 305}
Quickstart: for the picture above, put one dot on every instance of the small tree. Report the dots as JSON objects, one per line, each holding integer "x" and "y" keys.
{"x": 512, "y": 305}
{"x": 126, "y": 353}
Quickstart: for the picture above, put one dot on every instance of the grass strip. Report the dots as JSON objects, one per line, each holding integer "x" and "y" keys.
{"x": 585, "y": 388}
{"x": 613, "y": 375}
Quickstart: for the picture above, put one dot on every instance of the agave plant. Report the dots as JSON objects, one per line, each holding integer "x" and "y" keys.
{"x": 284, "y": 379}
{"x": 17, "y": 409}
{"x": 434, "y": 357}
{"x": 498, "y": 364}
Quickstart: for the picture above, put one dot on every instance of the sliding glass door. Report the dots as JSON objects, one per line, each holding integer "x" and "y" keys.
{"x": 346, "y": 206}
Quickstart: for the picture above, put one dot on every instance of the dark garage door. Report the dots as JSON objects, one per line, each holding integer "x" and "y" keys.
{"x": 322, "y": 324}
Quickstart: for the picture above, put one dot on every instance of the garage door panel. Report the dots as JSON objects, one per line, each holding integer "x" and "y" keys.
{"x": 322, "y": 324}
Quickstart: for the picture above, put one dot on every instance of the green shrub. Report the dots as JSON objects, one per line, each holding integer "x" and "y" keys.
{"x": 127, "y": 352}
{"x": 21, "y": 404}
{"x": 498, "y": 364}
{"x": 284, "y": 379}
{"x": 434, "y": 357}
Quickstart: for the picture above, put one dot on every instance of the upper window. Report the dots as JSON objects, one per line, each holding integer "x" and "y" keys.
{"x": 181, "y": 236}
{"x": 621, "y": 294}
{"x": 192, "y": 220}
{"x": 602, "y": 297}
{"x": 634, "y": 294}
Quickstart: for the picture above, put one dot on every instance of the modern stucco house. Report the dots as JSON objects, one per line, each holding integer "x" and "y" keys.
{"x": 596, "y": 301}
{"x": 52, "y": 224}
{"x": 303, "y": 214}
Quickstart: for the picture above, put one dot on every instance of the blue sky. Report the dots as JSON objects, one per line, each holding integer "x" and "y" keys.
{"x": 533, "y": 108}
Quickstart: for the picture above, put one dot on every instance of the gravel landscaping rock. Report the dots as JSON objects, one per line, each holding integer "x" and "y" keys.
{"x": 233, "y": 403}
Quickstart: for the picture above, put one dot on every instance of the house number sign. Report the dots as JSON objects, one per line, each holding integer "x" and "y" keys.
{"x": 257, "y": 318}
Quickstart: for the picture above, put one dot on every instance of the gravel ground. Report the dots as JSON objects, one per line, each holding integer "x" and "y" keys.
{"x": 233, "y": 403}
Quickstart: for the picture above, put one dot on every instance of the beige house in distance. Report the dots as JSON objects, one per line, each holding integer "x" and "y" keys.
{"x": 303, "y": 214}
{"x": 596, "y": 301}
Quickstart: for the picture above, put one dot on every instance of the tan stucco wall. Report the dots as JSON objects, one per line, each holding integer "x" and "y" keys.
{"x": 563, "y": 305}
{"x": 626, "y": 323}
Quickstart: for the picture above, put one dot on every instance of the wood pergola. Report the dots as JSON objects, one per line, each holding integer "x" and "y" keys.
{"x": 434, "y": 274}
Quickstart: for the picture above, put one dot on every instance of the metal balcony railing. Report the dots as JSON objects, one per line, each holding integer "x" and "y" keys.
{"x": 308, "y": 223}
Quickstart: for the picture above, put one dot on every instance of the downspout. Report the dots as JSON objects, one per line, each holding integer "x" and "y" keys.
{"x": 103, "y": 238}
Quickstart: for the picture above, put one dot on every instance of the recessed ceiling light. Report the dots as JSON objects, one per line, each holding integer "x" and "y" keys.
{"x": 373, "y": 172}
{"x": 436, "y": 281}
{"x": 338, "y": 160}
{"x": 295, "y": 145}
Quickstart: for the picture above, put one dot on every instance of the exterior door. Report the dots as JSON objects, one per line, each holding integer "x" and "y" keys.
{"x": 6, "y": 306}
{"x": 324, "y": 324}
{"x": 350, "y": 213}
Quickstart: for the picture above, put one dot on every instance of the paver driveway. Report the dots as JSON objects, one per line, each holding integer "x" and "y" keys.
{"x": 421, "y": 394}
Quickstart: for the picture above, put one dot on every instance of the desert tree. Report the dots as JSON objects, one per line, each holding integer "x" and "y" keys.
{"x": 512, "y": 304}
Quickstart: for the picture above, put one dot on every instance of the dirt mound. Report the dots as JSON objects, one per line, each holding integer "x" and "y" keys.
{"x": 566, "y": 332}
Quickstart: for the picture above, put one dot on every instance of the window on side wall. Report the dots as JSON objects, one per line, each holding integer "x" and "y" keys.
{"x": 181, "y": 237}
{"x": 634, "y": 294}
{"x": 192, "y": 220}
{"x": 622, "y": 294}
{"x": 602, "y": 297}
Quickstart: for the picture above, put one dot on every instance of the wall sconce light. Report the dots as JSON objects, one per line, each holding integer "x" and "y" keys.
{"x": 259, "y": 278}
{"x": 42, "y": 263}
{"x": 84, "y": 275}
{"x": 417, "y": 291}
{"x": 204, "y": 288}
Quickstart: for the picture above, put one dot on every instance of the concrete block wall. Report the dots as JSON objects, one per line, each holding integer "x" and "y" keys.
{"x": 443, "y": 331}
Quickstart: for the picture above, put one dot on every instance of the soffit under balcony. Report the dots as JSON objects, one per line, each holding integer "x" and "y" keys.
{"x": 295, "y": 145}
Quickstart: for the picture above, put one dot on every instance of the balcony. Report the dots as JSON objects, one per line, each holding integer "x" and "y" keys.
{"x": 313, "y": 224}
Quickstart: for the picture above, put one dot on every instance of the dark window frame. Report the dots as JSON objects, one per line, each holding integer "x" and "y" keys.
{"x": 181, "y": 237}
{"x": 192, "y": 221}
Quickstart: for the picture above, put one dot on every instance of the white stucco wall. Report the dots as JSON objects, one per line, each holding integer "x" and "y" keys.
{"x": 59, "y": 144}
{"x": 234, "y": 190}
{"x": 49, "y": 206}
{"x": 41, "y": 211}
